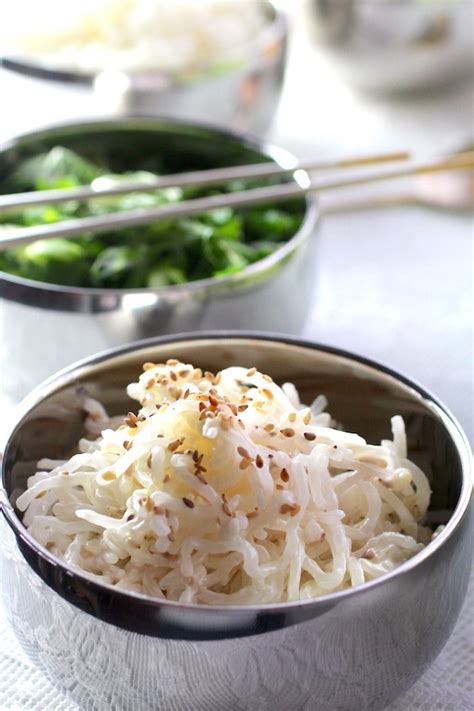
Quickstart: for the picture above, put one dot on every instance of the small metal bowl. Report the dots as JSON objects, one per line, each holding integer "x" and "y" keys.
{"x": 355, "y": 649}
{"x": 47, "y": 326}
{"x": 243, "y": 95}
{"x": 396, "y": 45}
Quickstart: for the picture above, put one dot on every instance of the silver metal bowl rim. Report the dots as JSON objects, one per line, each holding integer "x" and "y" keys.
{"x": 80, "y": 368}
{"x": 143, "y": 122}
{"x": 277, "y": 26}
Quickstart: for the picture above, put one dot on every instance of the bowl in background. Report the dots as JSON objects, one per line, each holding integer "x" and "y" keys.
{"x": 241, "y": 91}
{"x": 359, "y": 648}
{"x": 47, "y": 326}
{"x": 396, "y": 45}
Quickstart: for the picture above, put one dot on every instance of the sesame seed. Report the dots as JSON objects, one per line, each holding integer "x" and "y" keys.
{"x": 197, "y": 374}
{"x": 280, "y": 487}
{"x": 184, "y": 373}
{"x": 188, "y": 502}
{"x": 251, "y": 372}
{"x": 284, "y": 476}
{"x": 40, "y": 495}
{"x": 150, "y": 384}
{"x": 173, "y": 446}
{"x": 292, "y": 417}
{"x": 242, "y": 408}
{"x": 109, "y": 476}
{"x": 243, "y": 452}
{"x": 269, "y": 427}
{"x": 252, "y": 514}
{"x": 127, "y": 444}
{"x": 218, "y": 378}
{"x": 157, "y": 509}
{"x": 268, "y": 393}
{"x": 288, "y": 432}
{"x": 173, "y": 376}
{"x": 130, "y": 517}
{"x": 148, "y": 460}
{"x": 244, "y": 463}
{"x": 202, "y": 406}
{"x": 148, "y": 366}
{"x": 208, "y": 375}
{"x": 213, "y": 401}
{"x": 172, "y": 361}
{"x": 307, "y": 417}
{"x": 309, "y": 436}
{"x": 267, "y": 378}
{"x": 131, "y": 420}
{"x": 259, "y": 461}
{"x": 292, "y": 509}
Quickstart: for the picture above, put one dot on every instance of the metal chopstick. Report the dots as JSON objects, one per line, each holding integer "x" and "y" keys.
{"x": 213, "y": 176}
{"x": 274, "y": 193}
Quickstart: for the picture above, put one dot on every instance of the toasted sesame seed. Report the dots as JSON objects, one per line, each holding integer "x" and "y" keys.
{"x": 127, "y": 444}
{"x": 150, "y": 384}
{"x": 280, "y": 487}
{"x": 292, "y": 417}
{"x": 267, "y": 378}
{"x": 173, "y": 446}
{"x": 243, "y": 452}
{"x": 259, "y": 461}
{"x": 234, "y": 409}
{"x": 242, "y": 408}
{"x": 187, "y": 502}
{"x": 310, "y": 436}
{"x": 202, "y": 406}
{"x": 252, "y": 514}
{"x": 40, "y": 495}
{"x": 184, "y": 373}
{"x": 292, "y": 509}
{"x": 131, "y": 420}
{"x": 288, "y": 432}
{"x": 130, "y": 517}
{"x": 268, "y": 393}
{"x": 148, "y": 460}
{"x": 269, "y": 427}
{"x": 173, "y": 376}
{"x": 241, "y": 424}
{"x": 284, "y": 476}
{"x": 213, "y": 401}
{"x": 186, "y": 394}
{"x": 244, "y": 463}
{"x": 225, "y": 506}
{"x": 251, "y": 372}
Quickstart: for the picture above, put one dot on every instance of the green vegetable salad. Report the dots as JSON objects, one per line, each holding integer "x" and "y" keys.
{"x": 214, "y": 244}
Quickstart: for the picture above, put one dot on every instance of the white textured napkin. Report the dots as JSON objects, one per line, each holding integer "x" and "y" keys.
{"x": 447, "y": 686}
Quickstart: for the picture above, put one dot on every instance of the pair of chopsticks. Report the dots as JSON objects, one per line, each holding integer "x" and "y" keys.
{"x": 274, "y": 193}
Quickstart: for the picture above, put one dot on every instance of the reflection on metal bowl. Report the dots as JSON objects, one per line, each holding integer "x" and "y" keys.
{"x": 242, "y": 95}
{"x": 355, "y": 649}
{"x": 46, "y": 326}
{"x": 396, "y": 45}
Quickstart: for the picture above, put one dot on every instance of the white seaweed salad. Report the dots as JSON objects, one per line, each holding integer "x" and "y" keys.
{"x": 225, "y": 489}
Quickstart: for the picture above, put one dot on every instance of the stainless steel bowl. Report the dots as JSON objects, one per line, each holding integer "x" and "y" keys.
{"x": 356, "y": 649}
{"x": 46, "y": 326}
{"x": 396, "y": 45}
{"x": 243, "y": 96}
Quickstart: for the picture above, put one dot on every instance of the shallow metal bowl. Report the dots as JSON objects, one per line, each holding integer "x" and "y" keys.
{"x": 242, "y": 94}
{"x": 46, "y": 326}
{"x": 356, "y": 649}
{"x": 396, "y": 45}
